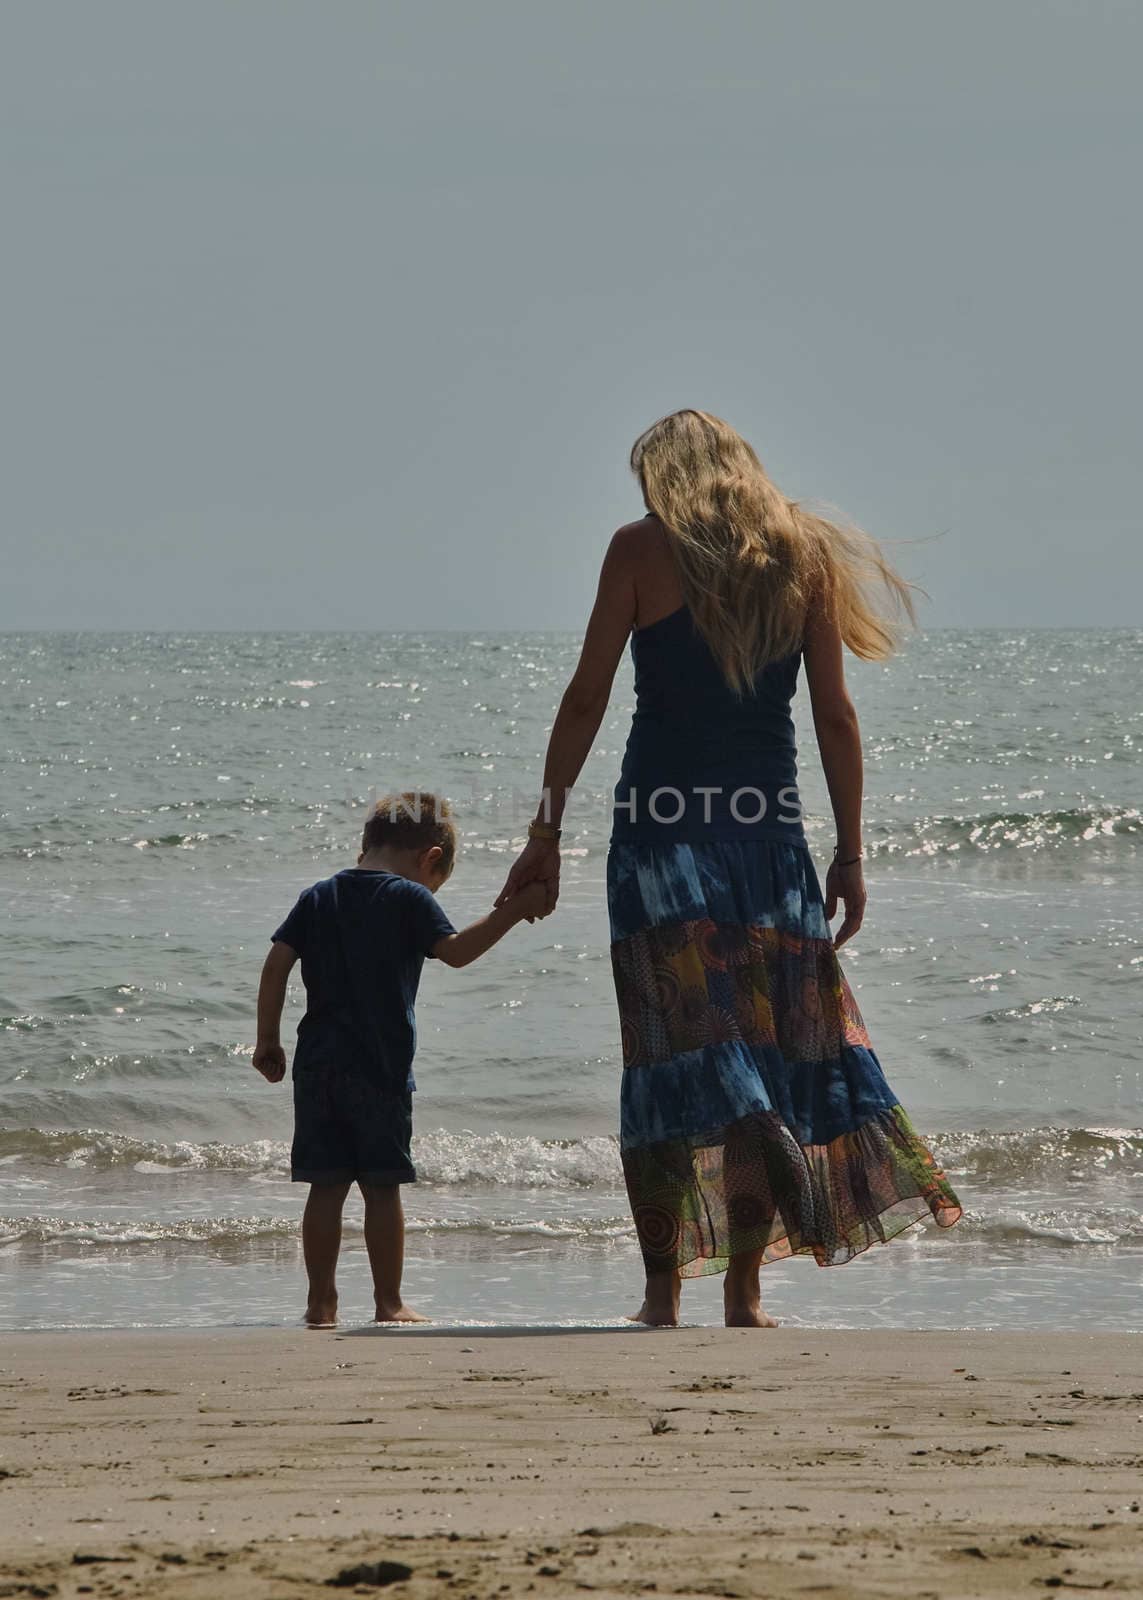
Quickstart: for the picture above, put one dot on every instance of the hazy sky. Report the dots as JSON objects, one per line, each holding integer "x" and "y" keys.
{"x": 345, "y": 314}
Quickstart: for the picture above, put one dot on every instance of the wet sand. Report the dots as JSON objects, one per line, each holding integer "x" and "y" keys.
{"x": 278, "y": 1464}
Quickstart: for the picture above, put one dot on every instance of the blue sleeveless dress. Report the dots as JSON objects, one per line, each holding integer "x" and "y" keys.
{"x": 754, "y": 1113}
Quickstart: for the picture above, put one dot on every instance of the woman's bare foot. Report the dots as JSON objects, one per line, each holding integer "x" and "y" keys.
{"x": 655, "y": 1318}
{"x": 398, "y": 1313}
{"x": 660, "y": 1308}
{"x": 748, "y": 1316}
{"x": 742, "y": 1293}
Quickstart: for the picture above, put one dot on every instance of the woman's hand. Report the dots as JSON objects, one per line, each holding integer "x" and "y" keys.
{"x": 847, "y": 884}
{"x": 538, "y": 862}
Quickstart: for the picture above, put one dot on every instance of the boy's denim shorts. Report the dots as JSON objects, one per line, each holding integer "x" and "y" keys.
{"x": 348, "y": 1130}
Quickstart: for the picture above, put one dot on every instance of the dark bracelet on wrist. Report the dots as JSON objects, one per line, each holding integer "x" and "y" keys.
{"x": 852, "y": 862}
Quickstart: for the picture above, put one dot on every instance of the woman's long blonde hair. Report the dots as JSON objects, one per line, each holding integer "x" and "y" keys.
{"x": 752, "y": 562}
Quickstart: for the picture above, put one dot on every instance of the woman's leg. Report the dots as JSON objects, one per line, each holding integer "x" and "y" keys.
{"x": 742, "y": 1293}
{"x": 321, "y": 1242}
{"x": 660, "y": 1308}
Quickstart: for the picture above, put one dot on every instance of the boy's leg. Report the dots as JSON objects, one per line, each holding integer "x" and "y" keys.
{"x": 321, "y": 1241}
{"x": 385, "y": 1241}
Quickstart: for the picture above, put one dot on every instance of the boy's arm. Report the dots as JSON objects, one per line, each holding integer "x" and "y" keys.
{"x": 269, "y": 1057}
{"x": 458, "y": 949}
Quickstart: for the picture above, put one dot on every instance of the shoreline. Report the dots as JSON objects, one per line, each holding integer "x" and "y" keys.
{"x": 447, "y": 1327}
{"x": 254, "y": 1462}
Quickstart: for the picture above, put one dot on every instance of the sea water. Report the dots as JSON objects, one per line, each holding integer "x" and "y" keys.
{"x": 165, "y": 797}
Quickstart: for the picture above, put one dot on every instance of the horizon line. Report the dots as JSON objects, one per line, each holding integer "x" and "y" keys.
{"x": 256, "y": 633}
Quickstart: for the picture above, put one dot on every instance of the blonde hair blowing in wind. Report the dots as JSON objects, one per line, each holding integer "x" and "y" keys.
{"x": 752, "y": 562}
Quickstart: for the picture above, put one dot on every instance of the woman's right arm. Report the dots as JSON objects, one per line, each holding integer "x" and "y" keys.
{"x": 839, "y": 740}
{"x": 581, "y": 711}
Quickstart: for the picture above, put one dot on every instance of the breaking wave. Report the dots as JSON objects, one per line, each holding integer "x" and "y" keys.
{"x": 447, "y": 1159}
{"x": 1101, "y": 1227}
{"x": 998, "y": 831}
{"x": 1041, "y": 1156}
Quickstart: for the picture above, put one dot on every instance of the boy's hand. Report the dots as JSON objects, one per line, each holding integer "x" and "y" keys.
{"x": 270, "y": 1061}
{"x": 533, "y": 901}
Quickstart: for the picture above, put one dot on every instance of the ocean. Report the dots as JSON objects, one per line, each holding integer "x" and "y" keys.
{"x": 165, "y": 797}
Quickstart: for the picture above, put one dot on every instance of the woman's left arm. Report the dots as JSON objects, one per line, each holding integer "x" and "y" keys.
{"x": 581, "y": 712}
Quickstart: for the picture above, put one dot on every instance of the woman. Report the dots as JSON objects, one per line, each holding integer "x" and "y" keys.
{"x": 756, "y": 1122}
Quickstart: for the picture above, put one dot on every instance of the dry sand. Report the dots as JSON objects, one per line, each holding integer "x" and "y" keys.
{"x": 697, "y": 1461}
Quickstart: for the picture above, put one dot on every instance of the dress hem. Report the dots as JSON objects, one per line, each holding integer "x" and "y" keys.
{"x": 709, "y": 1266}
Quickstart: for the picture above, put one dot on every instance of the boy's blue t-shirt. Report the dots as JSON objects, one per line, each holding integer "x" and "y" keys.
{"x": 363, "y": 938}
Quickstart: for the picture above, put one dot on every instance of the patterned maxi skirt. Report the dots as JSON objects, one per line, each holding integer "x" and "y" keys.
{"x": 755, "y": 1115}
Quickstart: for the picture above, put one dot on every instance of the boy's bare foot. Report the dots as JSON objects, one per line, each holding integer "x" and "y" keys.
{"x": 398, "y": 1313}
{"x": 322, "y": 1313}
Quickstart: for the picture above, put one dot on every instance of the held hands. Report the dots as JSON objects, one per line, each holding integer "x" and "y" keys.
{"x": 270, "y": 1061}
{"x": 845, "y": 883}
{"x": 532, "y": 901}
{"x": 538, "y": 862}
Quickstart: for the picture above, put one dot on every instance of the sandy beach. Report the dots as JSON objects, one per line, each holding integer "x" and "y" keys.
{"x": 483, "y": 1463}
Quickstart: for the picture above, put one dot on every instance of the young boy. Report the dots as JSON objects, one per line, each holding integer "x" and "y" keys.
{"x": 362, "y": 937}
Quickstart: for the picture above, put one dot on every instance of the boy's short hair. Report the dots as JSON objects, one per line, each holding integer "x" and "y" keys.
{"x": 415, "y": 820}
